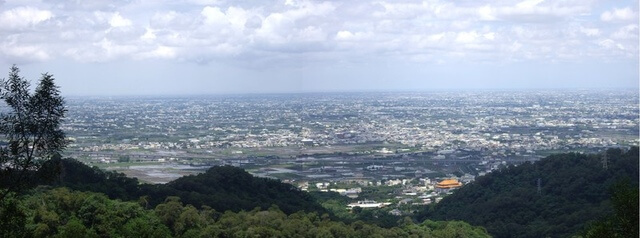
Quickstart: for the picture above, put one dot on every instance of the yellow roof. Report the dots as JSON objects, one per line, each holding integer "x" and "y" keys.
{"x": 449, "y": 183}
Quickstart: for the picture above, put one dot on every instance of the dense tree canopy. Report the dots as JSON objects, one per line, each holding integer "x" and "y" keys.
{"x": 221, "y": 187}
{"x": 574, "y": 190}
{"x": 624, "y": 221}
{"x": 231, "y": 188}
{"x": 61, "y": 212}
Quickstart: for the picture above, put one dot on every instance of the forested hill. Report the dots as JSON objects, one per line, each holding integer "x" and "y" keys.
{"x": 61, "y": 212}
{"x": 222, "y": 188}
{"x": 230, "y": 188}
{"x": 575, "y": 190}
{"x": 192, "y": 206}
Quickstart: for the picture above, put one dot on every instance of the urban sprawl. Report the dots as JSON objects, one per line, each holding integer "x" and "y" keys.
{"x": 420, "y": 145}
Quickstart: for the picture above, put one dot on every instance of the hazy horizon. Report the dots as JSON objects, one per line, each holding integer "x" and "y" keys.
{"x": 427, "y": 91}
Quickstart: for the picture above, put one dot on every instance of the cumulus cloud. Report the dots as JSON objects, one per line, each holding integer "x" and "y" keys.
{"x": 119, "y": 21}
{"x": 623, "y": 14}
{"x": 286, "y": 31}
{"x": 349, "y": 36}
{"x": 23, "y": 54}
{"x": 22, "y": 17}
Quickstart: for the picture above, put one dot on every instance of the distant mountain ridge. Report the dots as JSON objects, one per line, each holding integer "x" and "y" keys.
{"x": 574, "y": 190}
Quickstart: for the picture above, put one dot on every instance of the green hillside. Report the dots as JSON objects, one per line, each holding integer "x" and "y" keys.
{"x": 230, "y": 188}
{"x": 61, "y": 212}
{"x": 70, "y": 199}
{"x": 221, "y": 187}
{"x": 575, "y": 190}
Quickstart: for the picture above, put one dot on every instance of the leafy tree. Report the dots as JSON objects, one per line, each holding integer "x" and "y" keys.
{"x": 12, "y": 217}
{"x": 74, "y": 228}
{"x": 624, "y": 221}
{"x": 189, "y": 219}
{"x": 169, "y": 212}
{"x": 61, "y": 212}
{"x": 31, "y": 128}
{"x": 145, "y": 227}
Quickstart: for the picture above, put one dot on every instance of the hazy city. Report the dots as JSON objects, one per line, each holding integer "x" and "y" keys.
{"x": 353, "y": 139}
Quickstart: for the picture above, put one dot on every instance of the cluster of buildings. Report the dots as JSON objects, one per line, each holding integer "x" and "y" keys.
{"x": 409, "y": 192}
{"x": 369, "y": 139}
{"x": 507, "y": 123}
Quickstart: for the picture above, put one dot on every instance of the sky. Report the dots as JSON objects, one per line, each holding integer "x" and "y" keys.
{"x": 165, "y": 47}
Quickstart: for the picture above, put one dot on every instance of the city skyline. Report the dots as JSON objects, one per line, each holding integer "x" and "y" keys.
{"x": 222, "y": 47}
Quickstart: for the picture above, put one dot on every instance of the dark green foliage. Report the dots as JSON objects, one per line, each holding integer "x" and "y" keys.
{"x": 31, "y": 128}
{"x": 574, "y": 191}
{"x": 230, "y": 188}
{"x": 12, "y": 217}
{"x": 145, "y": 227}
{"x": 63, "y": 213}
{"x": 336, "y": 204}
{"x": 275, "y": 223}
{"x": 624, "y": 222}
{"x": 78, "y": 176}
{"x": 221, "y": 188}
{"x": 74, "y": 228}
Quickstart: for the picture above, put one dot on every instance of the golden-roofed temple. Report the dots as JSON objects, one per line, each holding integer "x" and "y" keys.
{"x": 448, "y": 184}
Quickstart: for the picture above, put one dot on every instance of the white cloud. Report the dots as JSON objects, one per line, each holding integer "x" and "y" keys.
{"x": 467, "y": 37}
{"x": 590, "y": 31}
{"x": 280, "y": 28}
{"x": 514, "y": 47}
{"x": 349, "y": 36}
{"x": 611, "y": 44}
{"x": 436, "y": 37}
{"x": 487, "y": 13}
{"x": 490, "y": 36}
{"x": 205, "y": 2}
{"x": 237, "y": 17}
{"x": 275, "y": 28}
{"x": 118, "y": 21}
{"x": 312, "y": 34}
{"x": 286, "y": 31}
{"x": 25, "y": 53}
{"x": 529, "y": 3}
{"x": 163, "y": 52}
{"x": 626, "y": 32}
{"x": 213, "y": 15}
{"x": 148, "y": 35}
{"x": 22, "y": 17}
{"x": 624, "y": 14}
